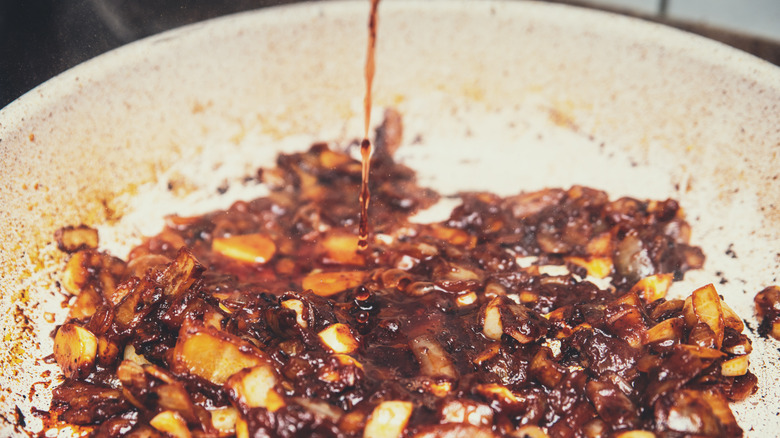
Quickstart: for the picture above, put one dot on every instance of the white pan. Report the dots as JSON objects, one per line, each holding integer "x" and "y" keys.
{"x": 516, "y": 95}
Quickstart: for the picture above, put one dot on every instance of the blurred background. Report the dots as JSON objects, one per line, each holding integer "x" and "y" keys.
{"x": 41, "y": 38}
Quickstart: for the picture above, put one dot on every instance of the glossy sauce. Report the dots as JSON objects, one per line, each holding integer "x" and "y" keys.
{"x": 418, "y": 314}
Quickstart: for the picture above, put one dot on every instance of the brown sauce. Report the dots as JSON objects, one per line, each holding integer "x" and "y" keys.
{"x": 365, "y": 193}
{"x": 420, "y": 310}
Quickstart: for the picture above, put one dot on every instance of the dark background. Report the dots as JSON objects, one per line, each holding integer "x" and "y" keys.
{"x": 41, "y": 38}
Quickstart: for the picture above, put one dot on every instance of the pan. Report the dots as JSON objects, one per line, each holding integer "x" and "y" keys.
{"x": 499, "y": 96}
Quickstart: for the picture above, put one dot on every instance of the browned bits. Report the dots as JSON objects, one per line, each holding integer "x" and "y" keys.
{"x": 264, "y": 320}
{"x": 340, "y": 248}
{"x": 768, "y": 309}
{"x": 248, "y": 248}
{"x": 171, "y": 423}
{"x": 255, "y": 387}
{"x": 329, "y": 283}
{"x": 75, "y": 350}
{"x": 338, "y": 338}
{"x": 653, "y": 288}
{"x": 388, "y": 419}
{"x": 89, "y": 268}
{"x": 72, "y": 239}
{"x": 707, "y": 308}
{"x": 212, "y": 354}
{"x": 433, "y": 359}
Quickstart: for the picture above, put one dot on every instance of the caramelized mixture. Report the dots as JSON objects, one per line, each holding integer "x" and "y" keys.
{"x": 768, "y": 308}
{"x": 540, "y": 314}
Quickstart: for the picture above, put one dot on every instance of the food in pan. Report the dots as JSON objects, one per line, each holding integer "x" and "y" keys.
{"x": 538, "y": 314}
{"x": 768, "y": 308}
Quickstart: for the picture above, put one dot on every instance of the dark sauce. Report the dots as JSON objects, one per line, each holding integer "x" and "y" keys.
{"x": 365, "y": 193}
{"x": 417, "y": 306}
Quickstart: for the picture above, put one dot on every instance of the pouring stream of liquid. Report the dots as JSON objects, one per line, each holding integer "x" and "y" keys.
{"x": 365, "y": 145}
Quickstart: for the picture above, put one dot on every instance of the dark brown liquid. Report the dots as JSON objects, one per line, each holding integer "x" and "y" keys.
{"x": 365, "y": 145}
{"x": 365, "y": 194}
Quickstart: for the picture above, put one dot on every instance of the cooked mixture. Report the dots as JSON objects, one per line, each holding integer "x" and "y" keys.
{"x": 539, "y": 314}
{"x": 768, "y": 309}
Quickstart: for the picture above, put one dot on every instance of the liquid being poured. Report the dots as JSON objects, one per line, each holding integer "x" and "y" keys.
{"x": 365, "y": 145}
{"x": 365, "y": 194}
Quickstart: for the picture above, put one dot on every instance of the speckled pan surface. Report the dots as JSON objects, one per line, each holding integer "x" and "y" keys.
{"x": 517, "y": 95}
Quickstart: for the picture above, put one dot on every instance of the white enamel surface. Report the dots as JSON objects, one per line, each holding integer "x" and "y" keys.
{"x": 515, "y": 96}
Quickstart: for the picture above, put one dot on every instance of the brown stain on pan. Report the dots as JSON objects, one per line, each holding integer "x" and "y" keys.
{"x": 33, "y": 301}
